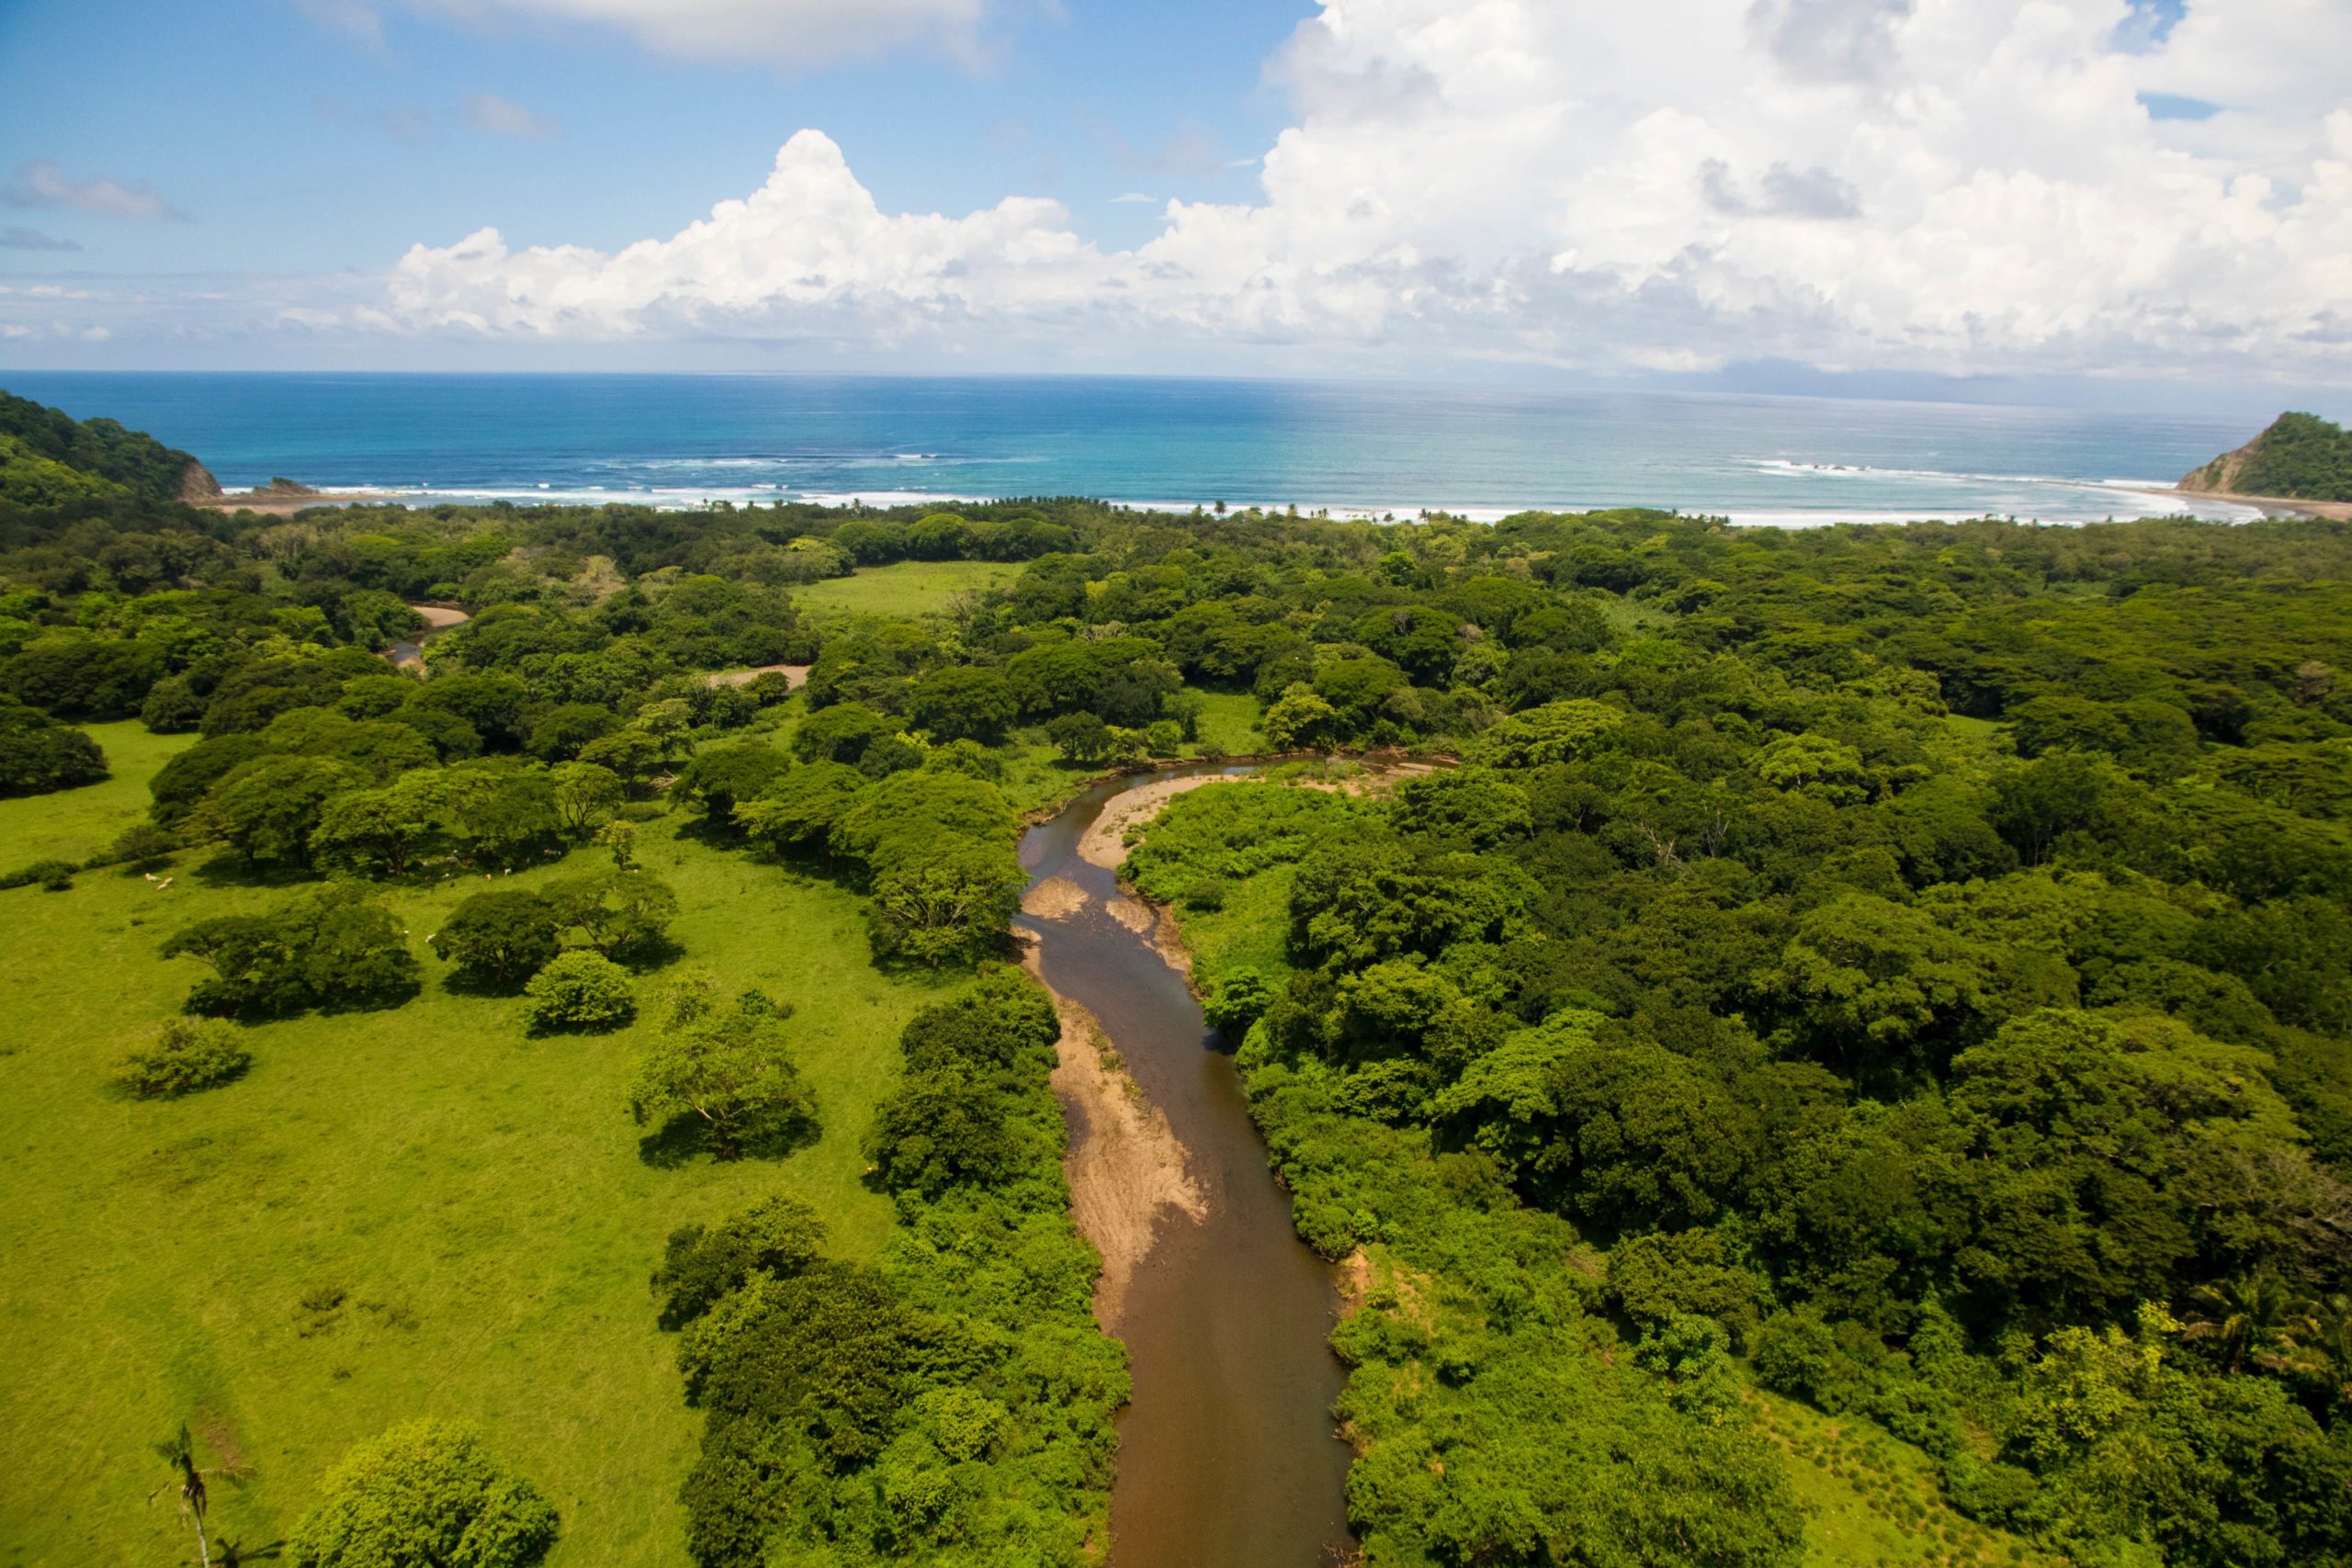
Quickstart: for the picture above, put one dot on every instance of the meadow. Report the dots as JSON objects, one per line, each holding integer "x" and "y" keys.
{"x": 395, "y": 1214}
{"x": 904, "y": 589}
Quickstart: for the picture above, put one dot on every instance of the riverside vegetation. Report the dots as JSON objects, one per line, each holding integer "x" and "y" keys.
{"x": 1849, "y": 1068}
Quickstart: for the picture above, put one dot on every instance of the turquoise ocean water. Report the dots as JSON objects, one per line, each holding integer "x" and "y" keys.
{"x": 1355, "y": 450}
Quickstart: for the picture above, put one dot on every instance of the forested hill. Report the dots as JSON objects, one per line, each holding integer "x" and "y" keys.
{"x": 49, "y": 458}
{"x": 1872, "y": 1005}
{"x": 2301, "y": 457}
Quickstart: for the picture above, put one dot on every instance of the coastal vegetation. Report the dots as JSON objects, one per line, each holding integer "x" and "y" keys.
{"x": 2300, "y": 457}
{"x": 1846, "y": 1061}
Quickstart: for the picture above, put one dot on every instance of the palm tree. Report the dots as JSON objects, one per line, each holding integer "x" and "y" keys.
{"x": 178, "y": 1451}
{"x": 2247, "y": 1316}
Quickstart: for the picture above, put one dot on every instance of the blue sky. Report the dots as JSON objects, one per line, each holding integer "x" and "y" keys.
{"x": 2127, "y": 200}
{"x": 298, "y": 143}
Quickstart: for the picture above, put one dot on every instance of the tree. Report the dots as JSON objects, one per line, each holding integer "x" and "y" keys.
{"x": 578, "y": 990}
{"x": 39, "y": 755}
{"x": 721, "y": 1077}
{"x": 920, "y": 816}
{"x": 269, "y": 809}
{"x": 1083, "y": 738}
{"x": 779, "y": 1236}
{"x": 840, "y": 733}
{"x": 189, "y": 1485}
{"x": 721, "y": 778}
{"x": 586, "y": 796}
{"x": 621, "y": 913}
{"x": 799, "y": 811}
{"x": 618, "y": 837}
{"x": 500, "y": 938}
{"x": 1299, "y": 718}
{"x": 381, "y": 832}
{"x": 333, "y": 948}
{"x": 953, "y": 908}
{"x": 427, "y": 1495}
{"x": 959, "y": 702}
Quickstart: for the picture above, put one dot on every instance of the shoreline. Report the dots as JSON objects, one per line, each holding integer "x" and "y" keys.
{"x": 2272, "y": 507}
{"x": 282, "y": 505}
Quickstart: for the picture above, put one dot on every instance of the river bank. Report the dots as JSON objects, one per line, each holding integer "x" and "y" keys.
{"x": 1227, "y": 1455}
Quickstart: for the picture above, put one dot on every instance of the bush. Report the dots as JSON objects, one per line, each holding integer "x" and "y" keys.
{"x": 186, "y": 1055}
{"x": 142, "y": 847}
{"x": 579, "y": 991}
{"x": 423, "y": 1495}
{"x": 55, "y": 875}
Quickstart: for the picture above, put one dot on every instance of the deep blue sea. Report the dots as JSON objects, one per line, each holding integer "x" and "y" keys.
{"x": 1353, "y": 449}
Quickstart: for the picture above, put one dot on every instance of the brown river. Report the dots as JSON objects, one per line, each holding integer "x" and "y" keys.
{"x": 1227, "y": 1455}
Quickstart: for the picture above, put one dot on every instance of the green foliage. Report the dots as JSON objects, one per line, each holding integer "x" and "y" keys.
{"x": 2300, "y": 455}
{"x": 500, "y": 938}
{"x": 37, "y": 755}
{"x": 720, "y": 1079}
{"x": 955, "y": 1403}
{"x": 952, "y": 910}
{"x": 186, "y": 1055}
{"x": 333, "y": 948}
{"x": 426, "y": 1495}
{"x": 579, "y": 991}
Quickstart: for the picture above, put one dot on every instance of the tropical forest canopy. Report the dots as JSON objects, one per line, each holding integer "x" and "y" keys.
{"x": 1906, "y": 969}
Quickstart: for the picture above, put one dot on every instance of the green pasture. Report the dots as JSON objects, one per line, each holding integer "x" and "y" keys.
{"x": 396, "y": 1214}
{"x": 907, "y": 590}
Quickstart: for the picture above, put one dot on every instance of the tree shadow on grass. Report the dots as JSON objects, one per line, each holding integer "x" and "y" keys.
{"x": 228, "y": 869}
{"x": 684, "y": 1139}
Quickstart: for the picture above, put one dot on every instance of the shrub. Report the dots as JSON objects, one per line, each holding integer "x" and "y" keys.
{"x": 55, "y": 875}
{"x": 579, "y": 991}
{"x": 142, "y": 846}
{"x": 186, "y": 1055}
{"x": 423, "y": 1495}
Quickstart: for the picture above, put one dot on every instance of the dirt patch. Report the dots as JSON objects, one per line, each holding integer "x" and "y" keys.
{"x": 1124, "y": 1167}
{"x": 1056, "y": 898}
{"x": 1105, "y": 843}
{"x": 795, "y": 676}
{"x": 1355, "y": 1281}
{"x": 441, "y": 617}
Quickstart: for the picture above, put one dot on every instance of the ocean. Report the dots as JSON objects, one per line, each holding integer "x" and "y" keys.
{"x": 1353, "y": 449}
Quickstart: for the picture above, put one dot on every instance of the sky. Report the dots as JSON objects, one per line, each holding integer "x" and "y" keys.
{"x": 2116, "y": 198}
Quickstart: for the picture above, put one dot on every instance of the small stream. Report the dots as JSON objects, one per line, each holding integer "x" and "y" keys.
{"x": 1227, "y": 1455}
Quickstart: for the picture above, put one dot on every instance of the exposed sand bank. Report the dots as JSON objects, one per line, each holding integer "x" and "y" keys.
{"x": 1105, "y": 843}
{"x": 1124, "y": 1167}
{"x": 795, "y": 676}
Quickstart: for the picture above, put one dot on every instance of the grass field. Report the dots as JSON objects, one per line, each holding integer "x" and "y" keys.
{"x": 906, "y": 588}
{"x": 77, "y": 823}
{"x": 470, "y": 1202}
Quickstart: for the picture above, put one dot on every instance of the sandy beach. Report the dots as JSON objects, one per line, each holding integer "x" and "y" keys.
{"x": 2269, "y": 505}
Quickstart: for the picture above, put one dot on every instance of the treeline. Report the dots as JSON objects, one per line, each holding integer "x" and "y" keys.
{"x": 950, "y": 1405}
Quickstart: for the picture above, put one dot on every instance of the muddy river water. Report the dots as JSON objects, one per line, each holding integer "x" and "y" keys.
{"x": 1227, "y": 1457}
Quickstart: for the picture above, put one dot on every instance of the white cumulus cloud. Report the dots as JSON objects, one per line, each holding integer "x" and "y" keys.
{"x": 1946, "y": 185}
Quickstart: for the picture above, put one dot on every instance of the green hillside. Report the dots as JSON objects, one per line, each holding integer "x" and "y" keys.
{"x": 2301, "y": 457}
